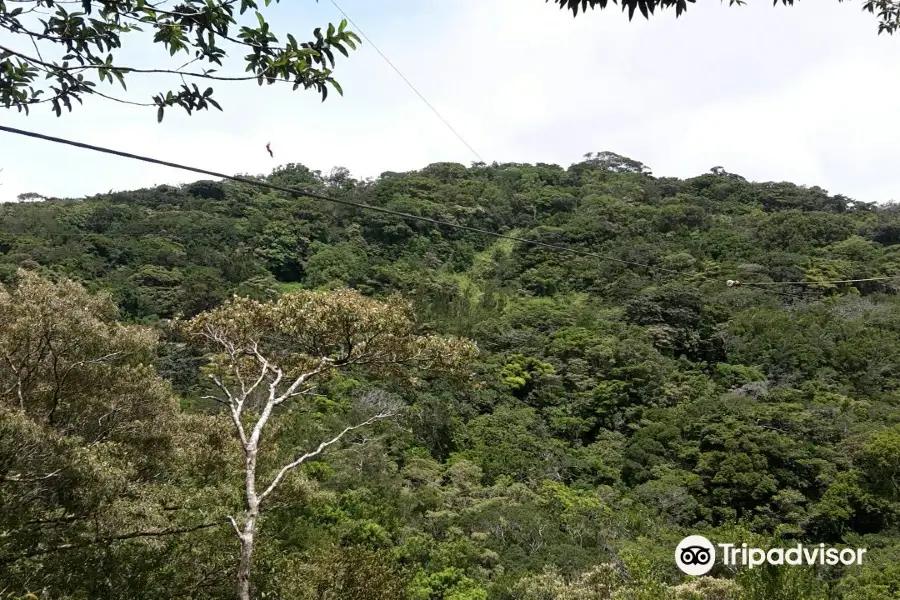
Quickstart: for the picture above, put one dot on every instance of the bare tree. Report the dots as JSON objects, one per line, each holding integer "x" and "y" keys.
{"x": 266, "y": 356}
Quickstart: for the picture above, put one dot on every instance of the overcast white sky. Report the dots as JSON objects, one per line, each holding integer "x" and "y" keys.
{"x": 805, "y": 94}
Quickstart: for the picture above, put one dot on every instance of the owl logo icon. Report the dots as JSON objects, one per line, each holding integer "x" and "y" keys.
{"x": 695, "y": 555}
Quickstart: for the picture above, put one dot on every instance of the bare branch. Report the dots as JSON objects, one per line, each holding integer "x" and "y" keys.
{"x": 216, "y": 399}
{"x": 119, "y": 100}
{"x": 267, "y": 410}
{"x": 92, "y": 361}
{"x": 26, "y": 479}
{"x": 322, "y": 446}
{"x": 324, "y": 365}
{"x": 264, "y": 369}
{"x": 236, "y": 419}
{"x": 234, "y": 525}
{"x": 274, "y": 400}
{"x": 60, "y": 68}
{"x": 235, "y": 408}
{"x": 219, "y": 384}
{"x": 107, "y": 540}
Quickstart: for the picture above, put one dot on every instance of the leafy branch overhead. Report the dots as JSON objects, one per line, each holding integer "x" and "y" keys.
{"x": 888, "y": 11}
{"x": 52, "y": 55}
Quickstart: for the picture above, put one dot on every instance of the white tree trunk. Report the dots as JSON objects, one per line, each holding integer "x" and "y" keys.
{"x": 236, "y": 403}
{"x": 247, "y": 533}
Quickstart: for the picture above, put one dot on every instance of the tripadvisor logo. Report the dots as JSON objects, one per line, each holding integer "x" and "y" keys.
{"x": 696, "y": 555}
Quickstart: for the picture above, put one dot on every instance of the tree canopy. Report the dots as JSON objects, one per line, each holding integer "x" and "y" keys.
{"x": 888, "y": 11}
{"x": 606, "y": 410}
{"x": 266, "y": 356}
{"x": 52, "y": 54}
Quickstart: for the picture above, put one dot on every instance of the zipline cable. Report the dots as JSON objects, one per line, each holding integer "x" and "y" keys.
{"x": 729, "y": 283}
{"x": 411, "y": 86}
{"x": 307, "y": 194}
{"x": 736, "y": 283}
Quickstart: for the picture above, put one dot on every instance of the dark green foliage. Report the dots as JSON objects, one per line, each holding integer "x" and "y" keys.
{"x": 888, "y": 10}
{"x": 616, "y": 407}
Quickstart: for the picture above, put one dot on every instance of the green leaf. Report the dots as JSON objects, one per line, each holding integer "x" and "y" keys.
{"x": 159, "y": 115}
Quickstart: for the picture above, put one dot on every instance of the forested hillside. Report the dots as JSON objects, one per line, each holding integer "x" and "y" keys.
{"x": 614, "y": 406}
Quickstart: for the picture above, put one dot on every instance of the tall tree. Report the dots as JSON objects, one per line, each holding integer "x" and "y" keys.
{"x": 87, "y": 440}
{"x": 74, "y": 51}
{"x": 268, "y": 358}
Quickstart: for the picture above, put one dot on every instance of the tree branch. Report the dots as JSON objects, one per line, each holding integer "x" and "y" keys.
{"x": 322, "y": 446}
{"x": 59, "y": 68}
{"x": 234, "y": 525}
{"x": 232, "y": 401}
{"x": 264, "y": 369}
{"x": 25, "y": 479}
{"x": 324, "y": 365}
{"x": 236, "y": 419}
{"x": 106, "y": 540}
{"x": 216, "y": 399}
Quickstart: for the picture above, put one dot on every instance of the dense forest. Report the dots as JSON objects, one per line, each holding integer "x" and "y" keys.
{"x": 597, "y": 411}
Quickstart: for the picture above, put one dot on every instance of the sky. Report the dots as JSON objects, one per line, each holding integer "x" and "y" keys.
{"x": 805, "y": 94}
